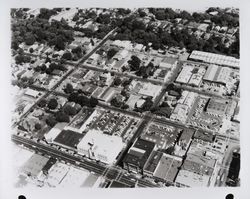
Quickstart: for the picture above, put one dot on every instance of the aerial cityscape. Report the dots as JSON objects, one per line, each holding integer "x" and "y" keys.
{"x": 125, "y": 98}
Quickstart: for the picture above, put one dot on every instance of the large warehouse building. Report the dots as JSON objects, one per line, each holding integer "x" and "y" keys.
{"x": 215, "y": 59}
{"x": 99, "y": 146}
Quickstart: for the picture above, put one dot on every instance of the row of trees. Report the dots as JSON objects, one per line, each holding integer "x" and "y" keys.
{"x": 82, "y": 99}
{"x": 48, "y": 70}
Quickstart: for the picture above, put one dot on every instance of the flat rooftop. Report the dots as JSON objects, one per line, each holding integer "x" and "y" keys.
{"x": 153, "y": 161}
{"x": 139, "y": 153}
{"x": 207, "y": 137}
{"x": 167, "y": 168}
{"x": 69, "y": 138}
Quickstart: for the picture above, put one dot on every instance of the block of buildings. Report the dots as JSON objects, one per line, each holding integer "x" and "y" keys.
{"x": 185, "y": 74}
{"x": 99, "y": 146}
{"x": 34, "y": 165}
{"x": 138, "y": 155}
{"x": 152, "y": 163}
{"x": 215, "y": 59}
{"x": 167, "y": 168}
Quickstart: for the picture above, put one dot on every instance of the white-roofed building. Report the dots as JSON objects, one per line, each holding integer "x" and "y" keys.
{"x": 56, "y": 174}
{"x": 150, "y": 89}
{"x": 183, "y": 96}
{"x": 190, "y": 99}
{"x": 223, "y": 75}
{"x": 99, "y": 146}
{"x": 191, "y": 179}
{"x": 215, "y": 59}
{"x": 74, "y": 178}
{"x": 120, "y": 55}
{"x": 54, "y": 132}
{"x": 185, "y": 74}
{"x": 211, "y": 73}
{"x": 32, "y": 93}
{"x": 180, "y": 113}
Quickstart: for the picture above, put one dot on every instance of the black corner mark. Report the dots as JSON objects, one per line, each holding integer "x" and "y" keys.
{"x": 21, "y": 197}
{"x": 229, "y": 196}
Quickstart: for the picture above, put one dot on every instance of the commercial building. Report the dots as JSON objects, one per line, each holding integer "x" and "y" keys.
{"x": 217, "y": 106}
{"x": 150, "y": 89}
{"x": 180, "y": 113}
{"x": 185, "y": 74}
{"x": 54, "y": 132}
{"x": 190, "y": 98}
{"x": 122, "y": 44}
{"x": 152, "y": 163}
{"x": 120, "y": 55}
{"x": 34, "y": 165}
{"x": 191, "y": 179}
{"x": 183, "y": 142}
{"x": 56, "y": 174}
{"x": 215, "y": 59}
{"x": 167, "y": 168}
{"x": 138, "y": 155}
{"x": 68, "y": 138}
{"x": 163, "y": 136}
{"x": 32, "y": 93}
{"x": 223, "y": 75}
{"x": 99, "y": 146}
{"x": 168, "y": 62}
{"x": 196, "y": 78}
{"x": 74, "y": 178}
{"x": 211, "y": 73}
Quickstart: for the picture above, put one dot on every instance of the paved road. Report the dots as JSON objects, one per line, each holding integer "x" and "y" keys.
{"x": 64, "y": 76}
{"x": 110, "y": 173}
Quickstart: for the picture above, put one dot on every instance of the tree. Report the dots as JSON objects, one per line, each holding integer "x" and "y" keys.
{"x": 73, "y": 97}
{"x": 52, "y": 104}
{"x": 92, "y": 42}
{"x": 147, "y": 104}
{"x": 62, "y": 117}
{"x": 31, "y": 50}
{"x": 141, "y": 13}
{"x": 117, "y": 81}
{"x": 160, "y": 15}
{"x": 136, "y": 24}
{"x": 29, "y": 39}
{"x": 115, "y": 102}
{"x": 77, "y": 50}
{"x": 125, "y": 106}
{"x": 69, "y": 88}
{"x": 20, "y": 59}
{"x": 43, "y": 67}
{"x": 93, "y": 102}
{"x": 42, "y": 103}
{"x": 69, "y": 110}
{"x": 134, "y": 63}
{"x": 83, "y": 100}
{"x": 38, "y": 126}
{"x": 67, "y": 56}
{"x": 111, "y": 53}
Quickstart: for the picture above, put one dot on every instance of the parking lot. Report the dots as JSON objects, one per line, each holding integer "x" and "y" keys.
{"x": 198, "y": 117}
